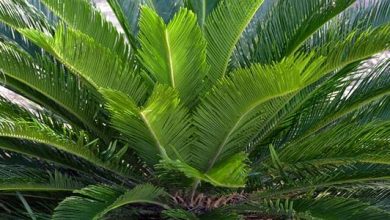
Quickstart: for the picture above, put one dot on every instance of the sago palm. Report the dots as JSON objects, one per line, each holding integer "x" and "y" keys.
{"x": 195, "y": 109}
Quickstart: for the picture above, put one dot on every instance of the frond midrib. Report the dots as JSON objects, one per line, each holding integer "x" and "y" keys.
{"x": 159, "y": 146}
{"x": 168, "y": 53}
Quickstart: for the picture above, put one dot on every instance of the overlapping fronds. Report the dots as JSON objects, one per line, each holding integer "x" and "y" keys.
{"x": 20, "y": 178}
{"x": 348, "y": 37}
{"x": 346, "y": 143}
{"x": 95, "y": 201}
{"x": 301, "y": 180}
{"x": 339, "y": 208}
{"x": 54, "y": 133}
{"x": 230, "y": 114}
{"x": 285, "y": 26}
{"x": 20, "y": 14}
{"x": 55, "y": 85}
{"x": 348, "y": 92}
{"x": 82, "y": 16}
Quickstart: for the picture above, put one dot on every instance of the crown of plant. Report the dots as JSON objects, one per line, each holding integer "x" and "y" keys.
{"x": 195, "y": 109}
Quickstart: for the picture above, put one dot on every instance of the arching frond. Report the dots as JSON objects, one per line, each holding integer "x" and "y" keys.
{"x": 44, "y": 153}
{"x": 94, "y": 202}
{"x": 57, "y": 87}
{"x": 275, "y": 129}
{"x": 174, "y": 54}
{"x": 344, "y": 144}
{"x": 357, "y": 46}
{"x": 46, "y": 132}
{"x": 341, "y": 97}
{"x": 223, "y": 29}
{"x": 19, "y": 178}
{"x": 230, "y": 114}
{"x": 78, "y": 52}
{"x": 308, "y": 180}
{"x": 279, "y": 208}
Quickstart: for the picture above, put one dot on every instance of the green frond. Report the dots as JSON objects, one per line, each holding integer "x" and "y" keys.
{"x": 236, "y": 107}
{"x": 231, "y": 172}
{"x": 174, "y": 54}
{"x": 58, "y": 90}
{"x": 356, "y": 46}
{"x": 20, "y": 14}
{"x": 20, "y": 178}
{"x": 94, "y": 202}
{"x": 78, "y": 52}
{"x": 363, "y": 16}
{"x": 33, "y": 149}
{"x": 159, "y": 129}
{"x": 44, "y": 132}
{"x": 82, "y": 16}
{"x": 43, "y": 152}
{"x": 340, "y": 98}
{"x": 284, "y": 27}
{"x": 359, "y": 87}
{"x": 307, "y": 180}
{"x": 347, "y": 143}
{"x": 339, "y": 208}
{"x": 274, "y": 130}
{"x": 223, "y": 29}
{"x": 356, "y": 34}
{"x": 35, "y": 131}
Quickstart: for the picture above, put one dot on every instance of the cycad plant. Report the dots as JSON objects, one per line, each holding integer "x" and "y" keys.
{"x": 195, "y": 109}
